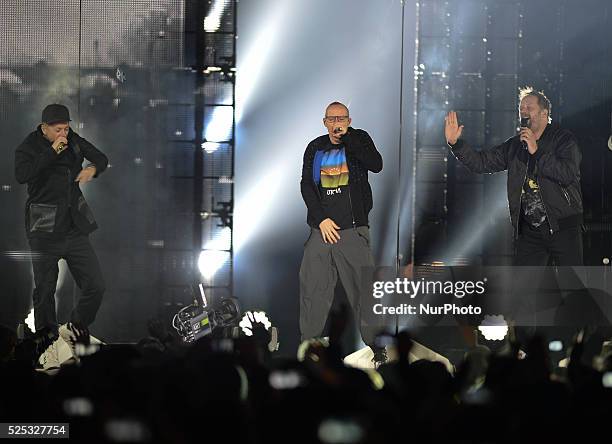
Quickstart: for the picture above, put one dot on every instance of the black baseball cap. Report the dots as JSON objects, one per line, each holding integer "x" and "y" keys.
{"x": 55, "y": 113}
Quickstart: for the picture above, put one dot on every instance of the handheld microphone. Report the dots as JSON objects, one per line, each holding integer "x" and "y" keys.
{"x": 525, "y": 121}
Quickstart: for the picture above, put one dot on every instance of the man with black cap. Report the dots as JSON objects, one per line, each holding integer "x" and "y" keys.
{"x": 58, "y": 220}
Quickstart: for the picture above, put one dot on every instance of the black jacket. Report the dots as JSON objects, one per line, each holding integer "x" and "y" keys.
{"x": 55, "y": 200}
{"x": 361, "y": 157}
{"x": 557, "y": 170}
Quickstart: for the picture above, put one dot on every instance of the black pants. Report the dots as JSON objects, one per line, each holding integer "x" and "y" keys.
{"x": 82, "y": 261}
{"x": 535, "y": 247}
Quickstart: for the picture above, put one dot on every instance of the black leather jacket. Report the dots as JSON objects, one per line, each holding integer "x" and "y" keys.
{"x": 557, "y": 170}
{"x": 55, "y": 200}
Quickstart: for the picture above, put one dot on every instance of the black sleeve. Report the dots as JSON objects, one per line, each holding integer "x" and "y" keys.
{"x": 489, "y": 161}
{"x": 92, "y": 154}
{"x": 29, "y": 163}
{"x": 563, "y": 164}
{"x": 308, "y": 187}
{"x": 359, "y": 143}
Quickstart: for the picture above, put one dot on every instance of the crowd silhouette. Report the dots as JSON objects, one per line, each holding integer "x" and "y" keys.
{"x": 162, "y": 391}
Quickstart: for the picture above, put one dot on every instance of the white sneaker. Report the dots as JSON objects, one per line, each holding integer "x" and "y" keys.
{"x": 67, "y": 334}
{"x": 50, "y": 357}
{"x": 60, "y": 352}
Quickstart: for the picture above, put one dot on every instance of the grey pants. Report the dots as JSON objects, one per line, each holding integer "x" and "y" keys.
{"x": 322, "y": 264}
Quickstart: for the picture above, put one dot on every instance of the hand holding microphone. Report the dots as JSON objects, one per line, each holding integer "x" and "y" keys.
{"x": 60, "y": 144}
{"x": 338, "y": 132}
{"x": 527, "y": 136}
{"x": 524, "y": 124}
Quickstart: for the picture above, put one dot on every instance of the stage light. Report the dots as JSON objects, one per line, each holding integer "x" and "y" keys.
{"x": 494, "y": 327}
{"x": 219, "y": 128}
{"x": 210, "y": 147}
{"x": 222, "y": 241}
{"x": 251, "y": 210}
{"x": 210, "y": 261}
{"x": 252, "y": 66}
{"x": 215, "y": 253}
{"x": 212, "y": 22}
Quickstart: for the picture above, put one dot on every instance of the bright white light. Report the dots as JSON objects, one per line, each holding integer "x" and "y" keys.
{"x": 210, "y": 261}
{"x": 254, "y": 317}
{"x": 255, "y": 60}
{"x": 494, "y": 328}
{"x": 212, "y": 22}
{"x": 219, "y": 127}
{"x": 251, "y": 209}
{"x": 223, "y": 241}
{"x": 213, "y": 257}
{"x": 210, "y": 147}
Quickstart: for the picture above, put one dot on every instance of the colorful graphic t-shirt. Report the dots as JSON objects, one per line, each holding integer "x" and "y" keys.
{"x": 334, "y": 187}
{"x": 532, "y": 205}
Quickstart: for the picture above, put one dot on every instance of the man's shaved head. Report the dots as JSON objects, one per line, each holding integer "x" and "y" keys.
{"x": 335, "y": 105}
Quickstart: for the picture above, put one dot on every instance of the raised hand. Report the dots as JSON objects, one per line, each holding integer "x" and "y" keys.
{"x": 452, "y": 130}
